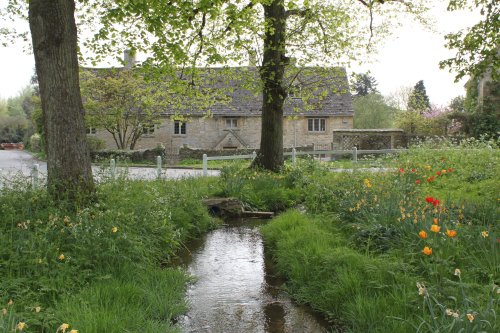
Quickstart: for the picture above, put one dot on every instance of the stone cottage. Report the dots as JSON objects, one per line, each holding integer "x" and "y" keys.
{"x": 319, "y": 102}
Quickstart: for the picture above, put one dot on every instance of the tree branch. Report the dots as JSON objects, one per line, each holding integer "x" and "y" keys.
{"x": 297, "y": 12}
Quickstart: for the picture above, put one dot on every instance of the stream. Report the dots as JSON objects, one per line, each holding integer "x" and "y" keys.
{"x": 234, "y": 289}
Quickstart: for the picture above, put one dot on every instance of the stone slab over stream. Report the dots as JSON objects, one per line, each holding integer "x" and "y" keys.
{"x": 235, "y": 291}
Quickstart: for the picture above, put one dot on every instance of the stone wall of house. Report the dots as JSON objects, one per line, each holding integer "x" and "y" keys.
{"x": 210, "y": 133}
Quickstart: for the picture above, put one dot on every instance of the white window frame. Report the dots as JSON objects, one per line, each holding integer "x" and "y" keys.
{"x": 180, "y": 128}
{"x": 232, "y": 123}
{"x": 316, "y": 125}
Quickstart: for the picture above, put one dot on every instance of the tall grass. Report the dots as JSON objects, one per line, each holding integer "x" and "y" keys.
{"x": 103, "y": 267}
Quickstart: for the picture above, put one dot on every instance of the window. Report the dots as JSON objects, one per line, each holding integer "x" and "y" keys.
{"x": 316, "y": 124}
{"x": 148, "y": 129}
{"x": 231, "y": 122}
{"x": 91, "y": 130}
{"x": 179, "y": 127}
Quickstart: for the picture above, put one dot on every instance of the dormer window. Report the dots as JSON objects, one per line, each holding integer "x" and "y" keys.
{"x": 231, "y": 122}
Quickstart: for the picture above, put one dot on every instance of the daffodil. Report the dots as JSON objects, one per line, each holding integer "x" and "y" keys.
{"x": 38, "y": 309}
{"x": 484, "y": 233}
{"x": 73, "y": 331}
{"x": 4, "y": 311}
{"x": 457, "y": 272}
{"x": 470, "y": 317}
{"x": 20, "y": 325}
{"x": 10, "y": 302}
{"x": 63, "y": 328}
{"x": 421, "y": 289}
{"x": 61, "y": 257}
{"x": 114, "y": 229}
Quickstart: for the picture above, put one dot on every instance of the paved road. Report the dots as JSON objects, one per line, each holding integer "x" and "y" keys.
{"x": 21, "y": 163}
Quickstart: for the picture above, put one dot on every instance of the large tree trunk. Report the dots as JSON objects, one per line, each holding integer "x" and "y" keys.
{"x": 270, "y": 156}
{"x": 54, "y": 38}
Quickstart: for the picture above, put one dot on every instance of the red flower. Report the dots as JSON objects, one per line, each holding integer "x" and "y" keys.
{"x": 412, "y": 170}
{"x": 429, "y": 199}
{"x": 401, "y": 170}
{"x": 430, "y": 179}
{"x": 438, "y": 173}
{"x": 436, "y": 202}
{"x": 450, "y": 169}
{"x": 417, "y": 181}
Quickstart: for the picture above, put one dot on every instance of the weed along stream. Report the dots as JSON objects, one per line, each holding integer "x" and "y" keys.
{"x": 234, "y": 290}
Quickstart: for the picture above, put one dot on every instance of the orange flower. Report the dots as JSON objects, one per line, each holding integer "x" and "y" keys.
{"x": 427, "y": 251}
{"x": 435, "y": 228}
{"x": 422, "y": 234}
{"x": 451, "y": 233}
{"x": 435, "y": 221}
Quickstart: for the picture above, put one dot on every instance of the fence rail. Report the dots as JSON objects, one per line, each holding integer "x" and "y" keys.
{"x": 354, "y": 152}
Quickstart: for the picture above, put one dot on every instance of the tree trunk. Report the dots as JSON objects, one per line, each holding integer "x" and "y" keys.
{"x": 270, "y": 156}
{"x": 54, "y": 37}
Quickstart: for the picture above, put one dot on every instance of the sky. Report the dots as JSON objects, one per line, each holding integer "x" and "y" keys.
{"x": 411, "y": 54}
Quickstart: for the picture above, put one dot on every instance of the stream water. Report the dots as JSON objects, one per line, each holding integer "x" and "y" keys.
{"x": 235, "y": 290}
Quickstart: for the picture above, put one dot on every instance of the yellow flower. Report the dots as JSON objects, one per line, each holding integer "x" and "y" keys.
{"x": 427, "y": 251}
{"x": 38, "y": 309}
{"x": 63, "y": 328}
{"x": 421, "y": 289}
{"x": 21, "y": 325}
{"x": 457, "y": 272}
{"x": 61, "y": 257}
{"x": 10, "y": 302}
{"x": 422, "y": 234}
{"x": 484, "y": 234}
{"x": 470, "y": 316}
{"x": 114, "y": 229}
{"x": 73, "y": 331}
{"x": 435, "y": 228}
{"x": 451, "y": 233}
{"x": 367, "y": 183}
{"x": 4, "y": 311}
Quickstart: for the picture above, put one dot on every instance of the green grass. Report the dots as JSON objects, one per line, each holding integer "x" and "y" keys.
{"x": 114, "y": 275}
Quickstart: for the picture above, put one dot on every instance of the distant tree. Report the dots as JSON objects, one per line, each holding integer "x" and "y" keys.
{"x": 400, "y": 97}
{"x": 411, "y": 122}
{"x": 418, "y": 100}
{"x": 372, "y": 111}
{"x": 120, "y": 102}
{"x": 364, "y": 84}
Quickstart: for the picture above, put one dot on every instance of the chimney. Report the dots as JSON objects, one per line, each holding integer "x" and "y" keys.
{"x": 129, "y": 58}
{"x": 252, "y": 58}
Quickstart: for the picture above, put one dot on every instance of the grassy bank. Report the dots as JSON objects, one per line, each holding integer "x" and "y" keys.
{"x": 417, "y": 249}
{"x": 102, "y": 268}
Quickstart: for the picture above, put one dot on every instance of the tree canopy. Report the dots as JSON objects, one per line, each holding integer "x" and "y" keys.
{"x": 418, "y": 100}
{"x": 363, "y": 84}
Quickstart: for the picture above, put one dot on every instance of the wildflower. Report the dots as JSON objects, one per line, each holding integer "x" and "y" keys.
{"x": 435, "y": 220}
{"x": 114, "y": 229}
{"x": 63, "y": 328}
{"x": 450, "y": 169}
{"x": 401, "y": 170}
{"x": 421, "y": 289}
{"x": 412, "y": 170}
{"x": 10, "y": 302}
{"x": 73, "y": 331}
{"x": 367, "y": 183}
{"x": 443, "y": 171}
{"x": 61, "y": 257}
{"x": 457, "y": 272}
{"x": 436, "y": 202}
{"x": 422, "y": 234}
{"x": 429, "y": 199}
{"x": 427, "y": 251}
{"x": 451, "y": 233}
{"x": 4, "y": 311}
{"x": 484, "y": 234}
{"x": 38, "y": 309}
{"x": 449, "y": 312}
{"x": 435, "y": 228}
{"x": 21, "y": 325}
{"x": 470, "y": 316}
{"x": 428, "y": 167}
{"x": 438, "y": 173}
{"x": 417, "y": 181}
{"x": 66, "y": 220}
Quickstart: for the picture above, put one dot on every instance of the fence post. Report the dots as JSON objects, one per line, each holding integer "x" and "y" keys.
{"x": 294, "y": 156}
{"x": 112, "y": 168}
{"x": 34, "y": 176}
{"x": 158, "y": 167}
{"x": 355, "y": 154}
{"x": 254, "y": 155}
{"x": 205, "y": 164}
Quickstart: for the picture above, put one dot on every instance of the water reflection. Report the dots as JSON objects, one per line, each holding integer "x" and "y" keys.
{"x": 233, "y": 293}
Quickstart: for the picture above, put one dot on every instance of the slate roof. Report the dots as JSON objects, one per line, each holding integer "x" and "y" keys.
{"x": 324, "y": 91}
{"x": 240, "y": 85}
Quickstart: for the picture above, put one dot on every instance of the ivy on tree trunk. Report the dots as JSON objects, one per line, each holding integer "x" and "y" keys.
{"x": 54, "y": 38}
